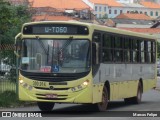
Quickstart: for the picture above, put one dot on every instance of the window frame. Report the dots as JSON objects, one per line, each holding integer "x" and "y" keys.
{"x": 129, "y": 49}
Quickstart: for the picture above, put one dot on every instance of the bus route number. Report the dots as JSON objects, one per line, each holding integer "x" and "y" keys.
{"x": 55, "y": 29}
{"x": 39, "y": 84}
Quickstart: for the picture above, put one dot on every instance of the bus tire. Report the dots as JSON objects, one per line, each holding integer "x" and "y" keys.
{"x": 137, "y": 99}
{"x": 103, "y": 105}
{"x": 45, "y": 106}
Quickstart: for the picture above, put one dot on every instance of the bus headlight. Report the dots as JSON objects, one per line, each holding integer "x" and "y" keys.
{"x": 85, "y": 83}
{"x": 21, "y": 81}
{"x": 80, "y": 87}
{"x": 25, "y": 85}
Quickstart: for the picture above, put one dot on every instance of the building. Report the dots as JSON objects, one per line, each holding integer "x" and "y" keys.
{"x": 155, "y": 1}
{"x": 52, "y": 18}
{"x": 71, "y": 8}
{"x": 151, "y": 31}
{"x": 153, "y": 9}
{"x": 125, "y": 1}
{"x": 130, "y": 20}
{"x": 136, "y": 16}
{"x": 104, "y": 8}
{"x": 156, "y": 25}
{"x": 112, "y": 8}
{"x": 100, "y": 8}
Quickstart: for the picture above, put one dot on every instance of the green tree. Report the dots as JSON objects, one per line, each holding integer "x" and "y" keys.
{"x": 11, "y": 19}
{"x": 158, "y": 50}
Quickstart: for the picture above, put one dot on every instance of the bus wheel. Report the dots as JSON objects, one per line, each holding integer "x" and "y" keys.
{"x": 136, "y": 99}
{"x": 45, "y": 106}
{"x": 103, "y": 105}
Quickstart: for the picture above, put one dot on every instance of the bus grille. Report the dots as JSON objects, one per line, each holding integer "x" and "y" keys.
{"x": 51, "y": 89}
{"x": 59, "y": 97}
{"x": 53, "y": 77}
{"x": 51, "y": 98}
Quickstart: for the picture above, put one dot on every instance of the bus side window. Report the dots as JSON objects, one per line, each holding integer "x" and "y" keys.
{"x": 118, "y": 51}
{"x": 107, "y": 48}
{"x": 97, "y": 39}
{"x": 142, "y": 49}
{"x": 153, "y": 53}
{"x": 149, "y": 51}
{"x": 136, "y": 51}
{"x": 127, "y": 50}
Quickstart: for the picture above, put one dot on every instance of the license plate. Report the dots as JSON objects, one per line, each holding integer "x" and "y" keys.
{"x": 51, "y": 96}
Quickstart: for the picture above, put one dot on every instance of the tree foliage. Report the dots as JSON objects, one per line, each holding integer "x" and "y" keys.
{"x": 158, "y": 50}
{"x": 11, "y": 19}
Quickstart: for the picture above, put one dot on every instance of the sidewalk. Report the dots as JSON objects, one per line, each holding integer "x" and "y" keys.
{"x": 158, "y": 84}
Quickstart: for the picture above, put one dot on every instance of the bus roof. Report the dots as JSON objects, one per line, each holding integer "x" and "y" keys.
{"x": 97, "y": 27}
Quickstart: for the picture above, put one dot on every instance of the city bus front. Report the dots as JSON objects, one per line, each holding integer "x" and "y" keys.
{"x": 55, "y": 68}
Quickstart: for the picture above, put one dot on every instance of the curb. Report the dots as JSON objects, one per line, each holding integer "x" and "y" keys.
{"x": 157, "y": 88}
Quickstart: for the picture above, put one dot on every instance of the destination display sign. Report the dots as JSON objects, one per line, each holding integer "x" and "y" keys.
{"x": 53, "y": 29}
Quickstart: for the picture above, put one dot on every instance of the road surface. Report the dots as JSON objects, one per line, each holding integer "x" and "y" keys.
{"x": 150, "y": 102}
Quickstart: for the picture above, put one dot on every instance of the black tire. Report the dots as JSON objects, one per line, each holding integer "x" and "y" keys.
{"x": 45, "y": 106}
{"x": 137, "y": 99}
{"x": 103, "y": 105}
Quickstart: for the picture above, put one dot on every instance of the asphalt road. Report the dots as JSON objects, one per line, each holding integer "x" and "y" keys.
{"x": 150, "y": 102}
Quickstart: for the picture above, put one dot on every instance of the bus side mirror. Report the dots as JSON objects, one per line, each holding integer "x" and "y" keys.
{"x": 95, "y": 53}
{"x": 18, "y": 44}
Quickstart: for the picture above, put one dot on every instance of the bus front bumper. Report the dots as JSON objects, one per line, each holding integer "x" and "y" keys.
{"x": 57, "y": 96}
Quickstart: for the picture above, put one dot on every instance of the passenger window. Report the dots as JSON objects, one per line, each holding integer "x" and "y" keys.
{"x": 107, "y": 48}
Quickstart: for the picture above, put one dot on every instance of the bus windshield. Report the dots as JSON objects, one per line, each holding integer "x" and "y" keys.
{"x": 55, "y": 56}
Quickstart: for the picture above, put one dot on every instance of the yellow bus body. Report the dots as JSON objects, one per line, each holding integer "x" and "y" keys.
{"x": 92, "y": 93}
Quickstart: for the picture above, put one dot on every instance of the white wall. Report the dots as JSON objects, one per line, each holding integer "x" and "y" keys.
{"x": 125, "y": 1}
{"x": 113, "y": 15}
{"x": 101, "y": 10}
{"x": 89, "y": 3}
{"x": 125, "y": 9}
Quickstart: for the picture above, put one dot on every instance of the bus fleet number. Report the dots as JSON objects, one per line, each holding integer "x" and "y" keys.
{"x": 39, "y": 84}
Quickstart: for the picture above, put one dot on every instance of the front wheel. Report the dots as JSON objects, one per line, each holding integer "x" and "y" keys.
{"x": 45, "y": 106}
{"x": 102, "y": 106}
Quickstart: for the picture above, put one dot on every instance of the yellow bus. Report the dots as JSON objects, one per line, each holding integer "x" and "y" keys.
{"x": 75, "y": 62}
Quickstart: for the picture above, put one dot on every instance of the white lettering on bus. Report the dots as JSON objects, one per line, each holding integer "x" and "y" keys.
{"x": 56, "y": 29}
{"x": 47, "y": 29}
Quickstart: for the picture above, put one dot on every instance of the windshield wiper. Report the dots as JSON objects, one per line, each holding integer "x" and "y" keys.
{"x": 65, "y": 45}
{"x": 44, "y": 49}
{"x": 42, "y": 45}
{"x": 62, "y": 49}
